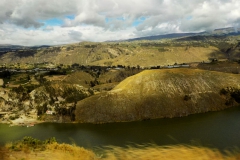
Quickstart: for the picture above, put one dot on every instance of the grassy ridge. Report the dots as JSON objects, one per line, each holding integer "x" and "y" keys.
{"x": 55, "y": 151}
{"x": 29, "y": 148}
{"x": 143, "y": 53}
{"x": 157, "y": 94}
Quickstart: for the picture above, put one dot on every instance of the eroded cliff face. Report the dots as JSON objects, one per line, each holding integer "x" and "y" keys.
{"x": 157, "y": 94}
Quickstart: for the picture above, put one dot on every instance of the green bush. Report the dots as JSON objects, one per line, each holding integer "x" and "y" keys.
{"x": 31, "y": 143}
{"x": 236, "y": 95}
{"x": 223, "y": 91}
{"x": 231, "y": 94}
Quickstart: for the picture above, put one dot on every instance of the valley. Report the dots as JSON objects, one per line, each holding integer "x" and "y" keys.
{"x": 119, "y": 80}
{"x": 88, "y": 82}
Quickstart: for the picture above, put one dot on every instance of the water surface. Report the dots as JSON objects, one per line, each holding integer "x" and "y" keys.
{"x": 214, "y": 129}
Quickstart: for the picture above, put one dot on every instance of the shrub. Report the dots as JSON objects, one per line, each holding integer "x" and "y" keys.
{"x": 236, "y": 95}
{"x": 231, "y": 94}
{"x": 31, "y": 143}
{"x": 223, "y": 91}
{"x": 187, "y": 97}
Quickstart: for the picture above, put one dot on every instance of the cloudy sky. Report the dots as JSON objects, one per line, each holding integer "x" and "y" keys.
{"x": 39, "y": 22}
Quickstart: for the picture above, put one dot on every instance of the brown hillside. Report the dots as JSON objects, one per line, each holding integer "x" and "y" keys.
{"x": 144, "y": 54}
{"x": 79, "y": 77}
{"x": 117, "y": 75}
{"x": 157, "y": 94}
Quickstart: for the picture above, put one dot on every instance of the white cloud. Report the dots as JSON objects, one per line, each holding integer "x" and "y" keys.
{"x": 25, "y": 22}
{"x": 58, "y": 35}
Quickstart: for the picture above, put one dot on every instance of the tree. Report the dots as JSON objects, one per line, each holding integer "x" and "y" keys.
{"x": 92, "y": 84}
{"x": 28, "y": 78}
{"x": 138, "y": 67}
{"x": 231, "y": 94}
{"x": 42, "y": 79}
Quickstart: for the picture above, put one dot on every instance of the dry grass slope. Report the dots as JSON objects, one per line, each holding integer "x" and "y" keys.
{"x": 80, "y": 78}
{"x": 144, "y": 54}
{"x": 53, "y": 152}
{"x": 157, "y": 94}
{"x": 167, "y": 153}
{"x": 71, "y": 152}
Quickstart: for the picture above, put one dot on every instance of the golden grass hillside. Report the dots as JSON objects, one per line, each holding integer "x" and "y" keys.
{"x": 140, "y": 53}
{"x": 53, "y": 151}
{"x": 152, "y": 152}
{"x": 80, "y": 78}
{"x": 168, "y": 153}
{"x": 158, "y": 94}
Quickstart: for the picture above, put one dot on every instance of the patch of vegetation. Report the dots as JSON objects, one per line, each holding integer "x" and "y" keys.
{"x": 232, "y": 95}
{"x": 69, "y": 92}
{"x": 30, "y": 148}
{"x": 13, "y": 117}
{"x": 41, "y": 109}
{"x": 31, "y": 144}
{"x": 73, "y": 95}
{"x": 22, "y": 92}
{"x": 60, "y": 72}
{"x": 187, "y": 97}
{"x": 5, "y": 74}
{"x": 162, "y": 50}
{"x": 225, "y": 66}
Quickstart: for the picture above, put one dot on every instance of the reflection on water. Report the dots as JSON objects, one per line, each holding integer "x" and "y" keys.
{"x": 214, "y": 129}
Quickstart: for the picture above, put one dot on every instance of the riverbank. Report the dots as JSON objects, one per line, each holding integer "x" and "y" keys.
{"x": 25, "y": 121}
{"x": 32, "y": 118}
{"x": 22, "y": 120}
{"x": 220, "y": 131}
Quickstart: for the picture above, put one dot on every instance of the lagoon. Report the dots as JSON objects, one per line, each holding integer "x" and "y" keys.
{"x": 214, "y": 129}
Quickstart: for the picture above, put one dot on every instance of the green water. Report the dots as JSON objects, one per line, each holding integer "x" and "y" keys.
{"x": 214, "y": 129}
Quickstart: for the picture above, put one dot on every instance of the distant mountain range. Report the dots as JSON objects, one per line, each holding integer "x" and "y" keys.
{"x": 217, "y": 32}
{"x": 159, "y": 37}
{"x": 179, "y": 48}
{"x": 8, "y": 47}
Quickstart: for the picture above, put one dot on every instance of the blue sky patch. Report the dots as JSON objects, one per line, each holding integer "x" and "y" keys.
{"x": 138, "y": 21}
{"x": 71, "y": 17}
{"x": 52, "y": 22}
{"x": 108, "y": 20}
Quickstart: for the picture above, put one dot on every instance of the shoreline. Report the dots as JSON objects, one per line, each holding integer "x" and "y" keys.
{"x": 22, "y": 121}
{"x": 31, "y": 121}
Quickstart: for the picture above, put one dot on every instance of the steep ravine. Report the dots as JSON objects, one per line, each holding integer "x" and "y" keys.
{"x": 157, "y": 94}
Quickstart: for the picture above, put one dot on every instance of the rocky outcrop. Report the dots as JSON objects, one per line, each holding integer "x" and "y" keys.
{"x": 158, "y": 94}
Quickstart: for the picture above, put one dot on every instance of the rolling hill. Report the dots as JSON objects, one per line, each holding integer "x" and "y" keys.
{"x": 158, "y": 94}
{"x": 145, "y": 53}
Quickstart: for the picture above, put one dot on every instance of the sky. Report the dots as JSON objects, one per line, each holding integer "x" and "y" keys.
{"x": 53, "y": 22}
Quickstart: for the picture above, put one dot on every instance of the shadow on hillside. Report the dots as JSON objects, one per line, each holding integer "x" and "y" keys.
{"x": 218, "y": 55}
{"x": 25, "y": 53}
